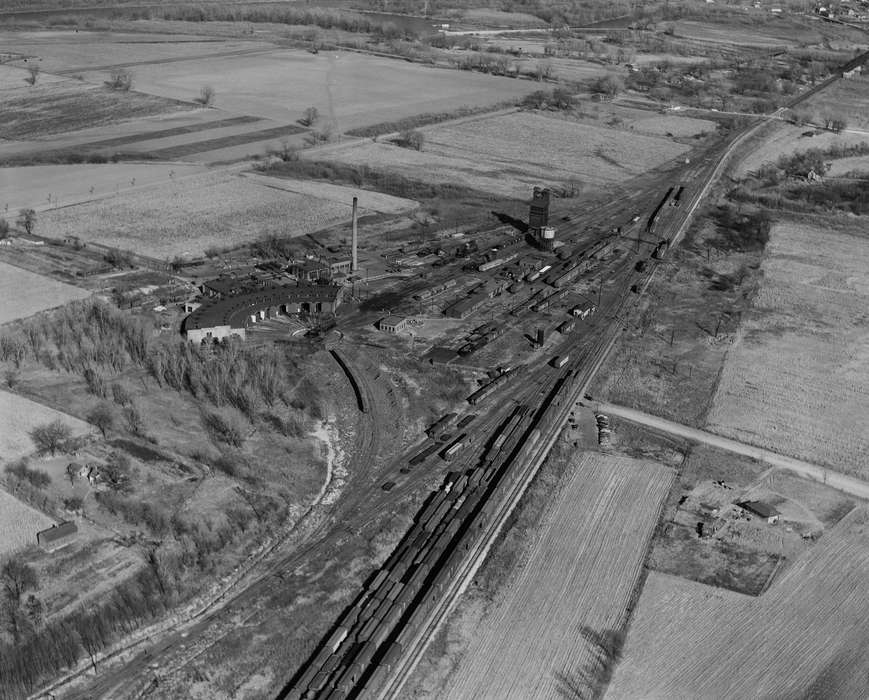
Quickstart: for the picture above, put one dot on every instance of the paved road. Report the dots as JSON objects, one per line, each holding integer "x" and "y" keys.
{"x": 855, "y": 487}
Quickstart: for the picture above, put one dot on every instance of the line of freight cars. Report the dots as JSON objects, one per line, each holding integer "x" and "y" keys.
{"x": 482, "y": 394}
{"x": 357, "y": 390}
{"x": 370, "y": 637}
{"x": 365, "y": 642}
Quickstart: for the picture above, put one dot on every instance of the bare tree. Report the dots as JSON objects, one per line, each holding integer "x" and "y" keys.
{"x": 51, "y": 437}
{"x": 120, "y": 79}
{"x": 32, "y": 74}
{"x": 27, "y": 220}
{"x": 309, "y": 116}
{"x": 4, "y": 228}
{"x": 207, "y": 95}
{"x": 17, "y": 578}
{"x": 411, "y": 139}
{"x": 102, "y": 417}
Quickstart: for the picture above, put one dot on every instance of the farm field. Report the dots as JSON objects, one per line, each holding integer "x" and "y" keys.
{"x": 851, "y": 97}
{"x": 72, "y": 51}
{"x": 19, "y": 415}
{"x": 24, "y": 293}
{"x": 349, "y": 90}
{"x": 688, "y": 640}
{"x": 185, "y": 217}
{"x": 842, "y": 166}
{"x": 19, "y": 524}
{"x": 30, "y": 186}
{"x": 495, "y": 154}
{"x": 369, "y": 200}
{"x": 577, "y": 582}
{"x": 793, "y": 381}
{"x": 29, "y": 112}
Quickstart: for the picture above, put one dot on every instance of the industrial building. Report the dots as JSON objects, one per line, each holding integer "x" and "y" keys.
{"x": 465, "y": 307}
{"x": 233, "y": 314}
{"x": 393, "y": 324}
{"x": 312, "y": 270}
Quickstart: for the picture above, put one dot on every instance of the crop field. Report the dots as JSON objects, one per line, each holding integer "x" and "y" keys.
{"x": 18, "y": 416}
{"x": 688, "y": 640}
{"x": 186, "y": 217}
{"x": 577, "y": 582}
{"x": 19, "y": 524}
{"x": 672, "y": 125}
{"x": 23, "y": 293}
{"x": 30, "y": 112}
{"x": 349, "y": 90}
{"x": 31, "y": 186}
{"x": 793, "y": 381}
{"x": 496, "y": 155}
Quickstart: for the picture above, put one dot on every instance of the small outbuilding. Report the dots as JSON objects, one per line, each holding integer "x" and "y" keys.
{"x": 57, "y": 536}
{"x": 761, "y": 510}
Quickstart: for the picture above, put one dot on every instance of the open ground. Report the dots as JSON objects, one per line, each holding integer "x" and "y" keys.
{"x": 797, "y": 639}
{"x": 540, "y": 640}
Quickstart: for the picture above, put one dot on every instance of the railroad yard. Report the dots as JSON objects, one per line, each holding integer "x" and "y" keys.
{"x": 360, "y": 355}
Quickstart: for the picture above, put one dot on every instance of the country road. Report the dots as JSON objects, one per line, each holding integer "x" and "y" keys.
{"x": 855, "y": 487}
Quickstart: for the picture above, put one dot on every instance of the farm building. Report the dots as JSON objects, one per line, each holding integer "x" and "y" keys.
{"x": 392, "y": 324}
{"x": 761, "y": 510}
{"x": 57, "y": 536}
{"x": 231, "y": 316}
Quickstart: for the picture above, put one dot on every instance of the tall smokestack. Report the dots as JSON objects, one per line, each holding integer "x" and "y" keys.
{"x": 354, "y": 266}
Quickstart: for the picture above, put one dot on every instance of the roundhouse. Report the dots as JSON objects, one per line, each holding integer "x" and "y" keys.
{"x": 233, "y": 315}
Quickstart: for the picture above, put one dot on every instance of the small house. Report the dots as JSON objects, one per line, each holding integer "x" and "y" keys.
{"x": 761, "y": 510}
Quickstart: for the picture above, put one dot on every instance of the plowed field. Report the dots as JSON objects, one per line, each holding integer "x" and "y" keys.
{"x": 23, "y": 293}
{"x": 578, "y": 581}
{"x": 19, "y": 524}
{"x": 794, "y": 380}
{"x": 798, "y": 639}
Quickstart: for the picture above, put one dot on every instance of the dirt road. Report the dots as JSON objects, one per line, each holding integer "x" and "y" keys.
{"x": 855, "y": 487}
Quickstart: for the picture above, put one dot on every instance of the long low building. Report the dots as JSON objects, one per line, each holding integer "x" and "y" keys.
{"x": 220, "y": 319}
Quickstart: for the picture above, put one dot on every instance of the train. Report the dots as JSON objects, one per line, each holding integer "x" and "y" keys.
{"x": 357, "y": 390}
{"x": 482, "y": 394}
{"x": 656, "y": 215}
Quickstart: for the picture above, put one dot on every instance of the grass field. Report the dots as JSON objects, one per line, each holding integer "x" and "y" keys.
{"x": 348, "y": 89}
{"x": 576, "y": 584}
{"x": 794, "y": 378}
{"x": 497, "y": 155}
{"x": 23, "y": 293}
{"x": 50, "y": 108}
{"x": 187, "y": 216}
{"x": 788, "y": 139}
{"x": 797, "y": 640}
{"x": 18, "y": 416}
{"x": 19, "y": 524}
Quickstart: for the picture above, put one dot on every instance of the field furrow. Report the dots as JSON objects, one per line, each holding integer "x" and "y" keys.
{"x": 577, "y": 583}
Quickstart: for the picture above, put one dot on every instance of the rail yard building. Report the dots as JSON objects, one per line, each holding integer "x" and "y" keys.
{"x": 392, "y": 324}
{"x": 232, "y": 315}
